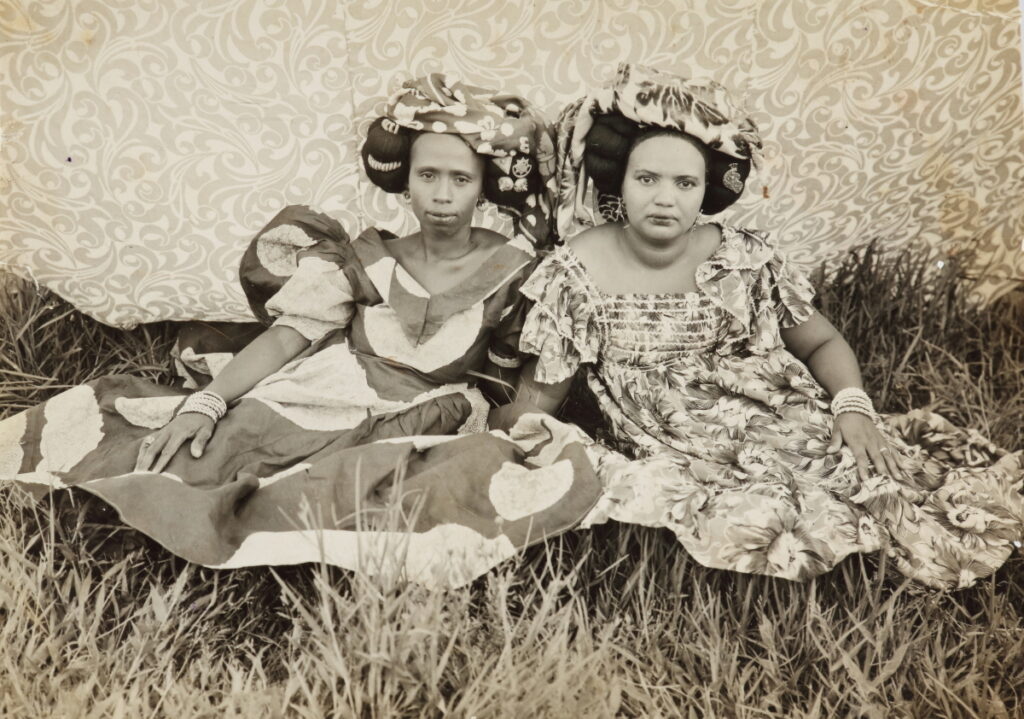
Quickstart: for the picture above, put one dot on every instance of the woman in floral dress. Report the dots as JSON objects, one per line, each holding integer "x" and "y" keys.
{"x": 714, "y": 371}
{"x": 355, "y": 416}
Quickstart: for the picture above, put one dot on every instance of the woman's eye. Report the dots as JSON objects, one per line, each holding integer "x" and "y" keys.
{"x": 645, "y": 180}
{"x": 426, "y": 175}
{"x": 462, "y": 180}
{"x": 687, "y": 183}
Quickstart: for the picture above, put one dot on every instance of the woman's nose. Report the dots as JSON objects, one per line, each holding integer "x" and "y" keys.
{"x": 663, "y": 194}
{"x": 444, "y": 191}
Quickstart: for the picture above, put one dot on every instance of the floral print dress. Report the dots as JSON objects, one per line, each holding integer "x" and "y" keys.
{"x": 722, "y": 434}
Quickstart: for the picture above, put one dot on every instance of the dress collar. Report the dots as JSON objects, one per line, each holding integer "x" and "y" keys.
{"x": 420, "y": 313}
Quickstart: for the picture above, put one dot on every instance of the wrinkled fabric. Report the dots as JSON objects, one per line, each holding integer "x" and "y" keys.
{"x": 369, "y": 451}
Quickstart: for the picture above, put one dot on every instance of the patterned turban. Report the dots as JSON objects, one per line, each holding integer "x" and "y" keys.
{"x": 642, "y": 98}
{"x": 502, "y": 127}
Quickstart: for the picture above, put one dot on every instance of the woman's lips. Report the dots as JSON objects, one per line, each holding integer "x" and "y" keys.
{"x": 441, "y": 216}
{"x": 661, "y": 219}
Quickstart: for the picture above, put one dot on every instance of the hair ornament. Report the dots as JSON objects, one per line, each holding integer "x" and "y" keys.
{"x": 521, "y": 167}
{"x": 732, "y": 179}
{"x": 382, "y": 166}
{"x": 612, "y": 208}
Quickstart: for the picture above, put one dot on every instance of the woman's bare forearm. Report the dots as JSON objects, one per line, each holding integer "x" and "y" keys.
{"x": 262, "y": 357}
{"x": 531, "y": 396}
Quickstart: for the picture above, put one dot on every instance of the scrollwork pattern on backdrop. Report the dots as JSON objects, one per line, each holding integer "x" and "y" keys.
{"x": 143, "y": 144}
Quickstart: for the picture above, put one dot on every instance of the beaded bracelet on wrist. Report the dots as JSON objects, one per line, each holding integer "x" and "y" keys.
{"x": 852, "y": 399}
{"x": 853, "y": 402}
{"x": 210, "y": 404}
{"x": 855, "y": 410}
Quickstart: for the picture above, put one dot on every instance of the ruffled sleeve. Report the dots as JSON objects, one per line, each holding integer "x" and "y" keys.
{"x": 792, "y": 292}
{"x": 561, "y": 327}
{"x": 753, "y": 281}
{"x": 315, "y": 300}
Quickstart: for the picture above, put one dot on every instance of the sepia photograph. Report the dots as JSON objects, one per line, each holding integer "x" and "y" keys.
{"x": 490, "y": 358}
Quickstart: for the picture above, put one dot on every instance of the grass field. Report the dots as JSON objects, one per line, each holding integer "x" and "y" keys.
{"x": 97, "y": 621}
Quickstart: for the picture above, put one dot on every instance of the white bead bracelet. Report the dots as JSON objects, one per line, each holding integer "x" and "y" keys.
{"x": 852, "y": 399}
{"x": 206, "y": 403}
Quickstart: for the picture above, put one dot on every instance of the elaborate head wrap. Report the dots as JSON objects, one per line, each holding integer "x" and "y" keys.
{"x": 595, "y": 135}
{"x": 502, "y": 127}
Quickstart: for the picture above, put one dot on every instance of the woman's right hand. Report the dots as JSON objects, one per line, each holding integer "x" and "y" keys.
{"x": 158, "y": 449}
{"x": 262, "y": 357}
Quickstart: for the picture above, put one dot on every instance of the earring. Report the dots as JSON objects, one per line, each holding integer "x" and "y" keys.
{"x": 406, "y": 197}
{"x": 481, "y": 202}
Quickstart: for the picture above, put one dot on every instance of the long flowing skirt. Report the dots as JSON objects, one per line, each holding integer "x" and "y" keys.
{"x": 285, "y": 480}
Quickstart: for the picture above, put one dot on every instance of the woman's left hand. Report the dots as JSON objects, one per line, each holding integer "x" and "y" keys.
{"x": 869, "y": 447}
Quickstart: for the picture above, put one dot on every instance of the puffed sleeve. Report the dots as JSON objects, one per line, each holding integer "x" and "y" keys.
{"x": 315, "y": 300}
{"x": 293, "y": 273}
{"x": 791, "y": 291}
{"x": 561, "y": 327}
{"x": 274, "y": 253}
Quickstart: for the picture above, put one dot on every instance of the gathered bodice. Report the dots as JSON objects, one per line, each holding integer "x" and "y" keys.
{"x": 650, "y": 330}
{"x": 746, "y": 293}
{"x": 645, "y": 331}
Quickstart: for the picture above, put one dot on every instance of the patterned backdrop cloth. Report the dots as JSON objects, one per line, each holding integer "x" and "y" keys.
{"x": 375, "y": 430}
{"x": 142, "y": 145}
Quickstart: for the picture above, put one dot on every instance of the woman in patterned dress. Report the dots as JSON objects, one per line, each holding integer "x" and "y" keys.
{"x": 355, "y": 416}
{"x": 714, "y": 371}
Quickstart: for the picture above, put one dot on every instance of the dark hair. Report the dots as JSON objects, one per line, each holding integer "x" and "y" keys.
{"x": 386, "y": 155}
{"x": 612, "y": 139}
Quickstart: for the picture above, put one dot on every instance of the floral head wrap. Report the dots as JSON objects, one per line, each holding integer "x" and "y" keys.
{"x": 649, "y": 98}
{"x": 503, "y": 127}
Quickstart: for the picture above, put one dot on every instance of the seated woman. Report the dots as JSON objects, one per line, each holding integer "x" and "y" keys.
{"x": 344, "y": 413}
{"x": 714, "y": 371}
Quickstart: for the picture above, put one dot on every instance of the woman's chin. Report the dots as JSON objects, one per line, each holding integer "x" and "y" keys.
{"x": 661, "y": 235}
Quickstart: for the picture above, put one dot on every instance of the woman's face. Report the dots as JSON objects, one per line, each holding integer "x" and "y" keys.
{"x": 445, "y": 181}
{"x": 663, "y": 187}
